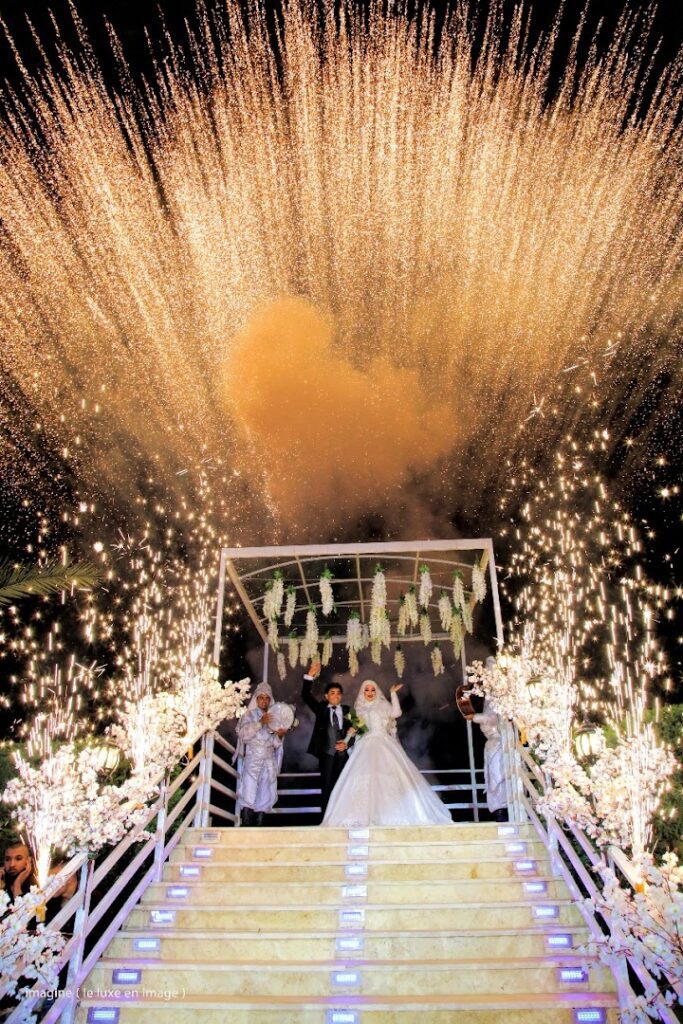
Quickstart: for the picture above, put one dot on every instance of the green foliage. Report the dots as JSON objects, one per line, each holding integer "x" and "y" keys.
{"x": 20, "y": 581}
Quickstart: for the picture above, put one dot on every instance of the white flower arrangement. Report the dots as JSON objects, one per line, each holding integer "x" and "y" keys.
{"x": 364, "y": 637}
{"x": 309, "y": 645}
{"x": 28, "y": 955}
{"x": 399, "y": 661}
{"x": 376, "y": 651}
{"x": 273, "y": 597}
{"x": 445, "y": 611}
{"x": 466, "y": 612}
{"x": 402, "y": 622}
{"x": 290, "y": 606}
{"x": 646, "y": 929}
{"x": 326, "y": 595}
{"x": 354, "y": 636}
{"x": 281, "y": 665}
{"x": 273, "y": 635}
{"x": 353, "y": 662}
{"x": 278, "y": 593}
{"x": 411, "y": 607}
{"x": 626, "y": 786}
{"x": 150, "y": 731}
{"x": 456, "y": 633}
{"x": 458, "y": 590}
{"x": 379, "y": 591}
{"x": 293, "y": 649}
{"x": 269, "y": 602}
{"x": 328, "y": 647}
{"x": 437, "y": 661}
{"x": 425, "y": 628}
{"x": 426, "y": 587}
{"x": 45, "y": 802}
{"x": 478, "y": 583}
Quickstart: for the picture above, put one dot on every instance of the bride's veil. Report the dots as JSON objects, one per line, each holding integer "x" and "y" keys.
{"x": 379, "y": 707}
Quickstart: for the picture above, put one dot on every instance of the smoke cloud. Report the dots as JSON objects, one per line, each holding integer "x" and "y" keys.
{"x": 323, "y": 434}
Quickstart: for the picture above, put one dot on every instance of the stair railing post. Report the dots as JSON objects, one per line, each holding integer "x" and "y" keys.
{"x": 197, "y": 820}
{"x": 206, "y": 781}
{"x": 160, "y": 835}
{"x": 80, "y": 922}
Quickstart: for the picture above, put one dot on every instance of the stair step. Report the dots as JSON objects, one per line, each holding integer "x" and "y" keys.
{"x": 531, "y": 1008}
{"x": 386, "y": 871}
{"x": 316, "y": 835}
{"x": 221, "y": 947}
{"x": 406, "y": 917}
{"x": 398, "y": 852}
{"x": 486, "y": 977}
{"x": 219, "y": 895}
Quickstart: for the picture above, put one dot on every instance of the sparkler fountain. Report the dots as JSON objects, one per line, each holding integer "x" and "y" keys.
{"x": 364, "y": 232}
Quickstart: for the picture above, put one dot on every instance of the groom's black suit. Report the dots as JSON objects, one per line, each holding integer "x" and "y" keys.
{"x": 326, "y": 733}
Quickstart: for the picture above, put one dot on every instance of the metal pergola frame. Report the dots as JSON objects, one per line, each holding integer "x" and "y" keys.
{"x": 297, "y": 557}
{"x": 441, "y": 555}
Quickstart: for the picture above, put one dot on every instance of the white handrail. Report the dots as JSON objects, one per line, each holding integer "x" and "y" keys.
{"x": 566, "y": 862}
{"x": 83, "y": 949}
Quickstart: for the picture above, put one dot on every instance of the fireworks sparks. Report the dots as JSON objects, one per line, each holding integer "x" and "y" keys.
{"x": 437, "y": 211}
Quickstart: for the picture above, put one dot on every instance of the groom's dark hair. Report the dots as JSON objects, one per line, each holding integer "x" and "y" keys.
{"x": 334, "y": 686}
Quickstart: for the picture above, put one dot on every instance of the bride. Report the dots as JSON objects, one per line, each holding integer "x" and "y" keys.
{"x": 380, "y": 785}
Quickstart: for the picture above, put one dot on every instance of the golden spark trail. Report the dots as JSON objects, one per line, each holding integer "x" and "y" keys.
{"x": 494, "y": 249}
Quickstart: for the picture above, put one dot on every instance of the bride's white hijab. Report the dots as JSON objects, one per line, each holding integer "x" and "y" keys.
{"x": 378, "y": 706}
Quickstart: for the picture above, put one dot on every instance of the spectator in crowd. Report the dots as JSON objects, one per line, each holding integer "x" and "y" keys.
{"x": 17, "y": 874}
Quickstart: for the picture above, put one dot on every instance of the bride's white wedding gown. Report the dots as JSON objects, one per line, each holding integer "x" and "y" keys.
{"x": 380, "y": 785}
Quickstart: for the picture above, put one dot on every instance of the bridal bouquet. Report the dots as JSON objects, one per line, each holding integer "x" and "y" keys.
{"x": 356, "y": 722}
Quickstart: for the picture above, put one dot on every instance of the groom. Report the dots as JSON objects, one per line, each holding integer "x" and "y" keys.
{"x": 327, "y": 742}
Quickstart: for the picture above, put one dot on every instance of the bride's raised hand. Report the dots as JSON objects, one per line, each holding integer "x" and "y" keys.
{"x": 396, "y": 687}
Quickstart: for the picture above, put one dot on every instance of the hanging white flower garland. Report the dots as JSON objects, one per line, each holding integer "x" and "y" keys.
{"x": 327, "y": 649}
{"x": 456, "y": 633}
{"x": 281, "y": 664}
{"x": 273, "y": 636}
{"x": 309, "y": 645}
{"x": 290, "y": 606}
{"x": 402, "y": 623}
{"x": 293, "y": 649}
{"x": 458, "y": 591}
{"x": 445, "y": 611}
{"x": 478, "y": 583}
{"x": 399, "y": 661}
{"x": 326, "y": 594}
{"x": 437, "y": 660}
{"x": 411, "y": 607}
{"x": 425, "y": 628}
{"x": 353, "y": 633}
{"x": 426, "y": 587}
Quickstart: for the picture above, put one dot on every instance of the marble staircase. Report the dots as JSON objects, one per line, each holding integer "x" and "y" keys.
{"x": 379, "y": 926}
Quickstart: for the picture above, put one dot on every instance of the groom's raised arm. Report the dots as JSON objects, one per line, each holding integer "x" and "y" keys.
{"x": 306, "y": 691}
